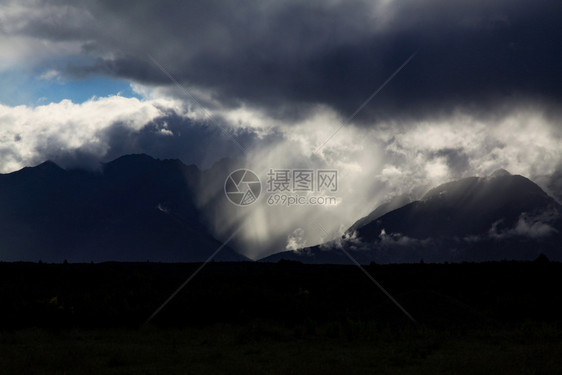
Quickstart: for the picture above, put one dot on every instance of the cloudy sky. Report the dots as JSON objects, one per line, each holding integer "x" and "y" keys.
{"x": 461, "y": 88}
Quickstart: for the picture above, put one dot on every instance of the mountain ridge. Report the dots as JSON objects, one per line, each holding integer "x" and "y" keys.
{"x": 501, "y": 216}
{"x": 135, "y": 208}
{"x": 138, "y": 208}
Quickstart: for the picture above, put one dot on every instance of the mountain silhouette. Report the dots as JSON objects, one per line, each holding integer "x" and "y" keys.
{"x": 390, "y": 205}
{"x": 465, "y": 207}
{"x": 502, "y": 216}
{"x": 135, "y": 208}
{"x": 138, "y": 208}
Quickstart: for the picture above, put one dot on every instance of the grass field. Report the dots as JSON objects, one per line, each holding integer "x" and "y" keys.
{"x": 262, "y": 349}
{"x": 280, "y": 319}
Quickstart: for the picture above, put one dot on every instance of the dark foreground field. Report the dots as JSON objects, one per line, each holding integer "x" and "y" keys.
{"x": 244, "y": 318}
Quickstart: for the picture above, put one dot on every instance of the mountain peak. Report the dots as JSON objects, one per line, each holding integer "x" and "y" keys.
{"x": 500, "y": 173}
{"x": 45, "y": 168}
{"x": 48, "y": 165}
{"x": 471, "y": 219}
{"x": 138, "y": 208}
{"x": 133, "y": 158}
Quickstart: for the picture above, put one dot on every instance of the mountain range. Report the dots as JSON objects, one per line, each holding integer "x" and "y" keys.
{"x": 501, "y": 216}
{"x": 134, "y": 208}
{"x": 138, "y": 208}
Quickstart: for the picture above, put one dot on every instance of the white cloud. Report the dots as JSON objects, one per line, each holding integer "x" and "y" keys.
{"x": 531, "y": 226}
{"x": 296, "y": 240}
{"x": 24, "y": 52}
{"x": 28, "y": 132}
{"x": 523, "y": 141}
{"x": 51, "y": 74}
{"x": 436, "y": 170}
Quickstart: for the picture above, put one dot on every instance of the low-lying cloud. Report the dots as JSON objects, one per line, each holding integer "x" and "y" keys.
{"x": 530, "y": 226}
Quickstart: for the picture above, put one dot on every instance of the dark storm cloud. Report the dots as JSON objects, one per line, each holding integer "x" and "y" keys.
{"x": 285, "y": 56}
{"x": 130, "y": 67}
{"x": 173, "y": 136}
